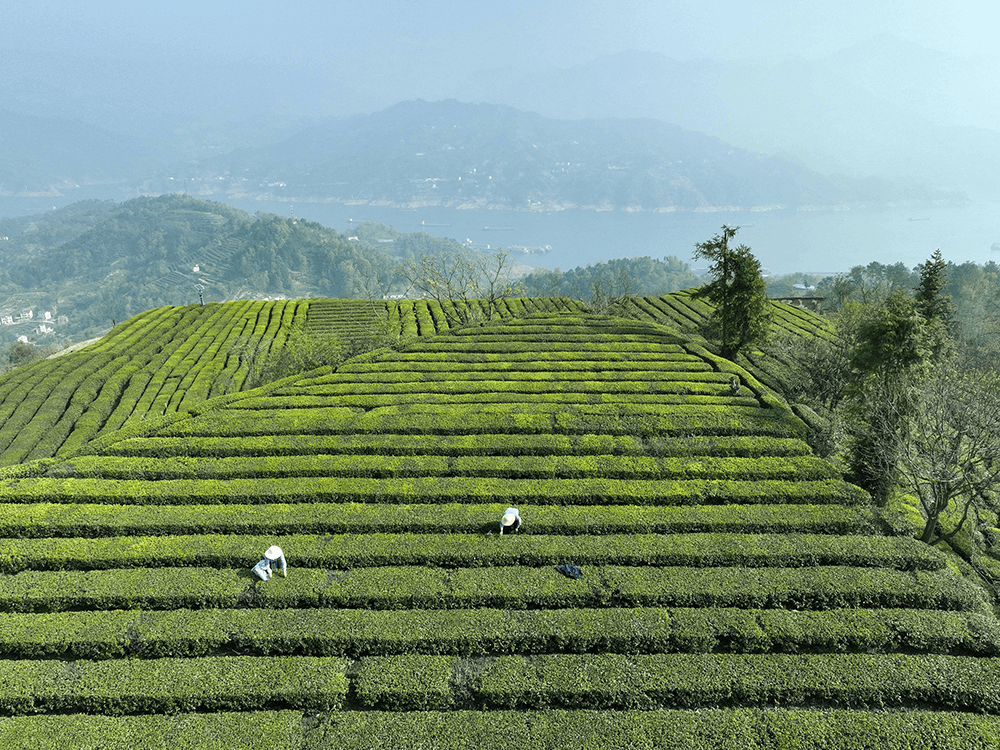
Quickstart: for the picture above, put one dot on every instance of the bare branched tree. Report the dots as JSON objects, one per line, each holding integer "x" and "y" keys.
{"x": 948, "y": 452}
{"x": 384, "y": 289}
{"x": 609, "y": 292}
{"x": 456, "y": 281}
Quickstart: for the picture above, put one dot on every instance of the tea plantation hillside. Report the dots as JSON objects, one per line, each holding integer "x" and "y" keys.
{"x": 735, "y": 592}
{"x": 688, "y": 313}
{"x": 170, "y": 359}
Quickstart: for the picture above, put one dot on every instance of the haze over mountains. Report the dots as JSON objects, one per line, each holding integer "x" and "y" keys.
{"x": 492, "y": 156}
{"x": 886, "y": 108}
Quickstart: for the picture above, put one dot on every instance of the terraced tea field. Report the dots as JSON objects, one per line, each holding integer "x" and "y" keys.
{"x": 169, "y": 360}
{"x": 686, "y": 312}
{"x": 736, "y": 592}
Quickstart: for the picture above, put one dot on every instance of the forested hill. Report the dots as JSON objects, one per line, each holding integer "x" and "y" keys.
{"x": 477, "y": 155}
{"x": 96, "y": 262}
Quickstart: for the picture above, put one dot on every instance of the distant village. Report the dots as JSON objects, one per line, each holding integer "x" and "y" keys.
{"x": 42, "y": 324}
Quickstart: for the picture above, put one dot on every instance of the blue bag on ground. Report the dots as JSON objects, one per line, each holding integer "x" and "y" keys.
{"x": 570, "y": 570}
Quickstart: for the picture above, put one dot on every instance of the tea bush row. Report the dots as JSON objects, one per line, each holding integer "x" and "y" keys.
{"x": 437, "y": 368}
{"x": 514, "y": 397}
{"x": 519, "y": 492}
{"x": 172, "y": 685}
{"x": 483, "y": 632}
{"x": 449, "y": 382}
{"x": 411, "y": 682}
{"x": 459, "y": 445}
{"x": 504, "y": 587}
{"x": 615, "y": 419}
{"x": 247, "y": 730}
{"x": 343, "y": 551}
{"x": 93, "y": 520}
{"x": 510, "y": 467}
{"x": 715, "y": 728}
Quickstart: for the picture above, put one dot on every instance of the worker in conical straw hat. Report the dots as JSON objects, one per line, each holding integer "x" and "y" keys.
{"x": 272, "y": 556}
{"x": 510, "y": 521}
{"x": 275, "y": 555}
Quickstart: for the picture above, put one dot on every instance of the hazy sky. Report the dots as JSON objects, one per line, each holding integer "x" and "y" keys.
{"x": 380, "y": 33}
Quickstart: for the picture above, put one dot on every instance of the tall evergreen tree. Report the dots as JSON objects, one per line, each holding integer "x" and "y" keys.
{"x": 931, "y": 299}
{"x": 738, "y": 293}
{"x": 936, "y": 307}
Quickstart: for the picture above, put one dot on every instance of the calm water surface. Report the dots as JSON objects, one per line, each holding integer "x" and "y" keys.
{"x": 785, "y": 241}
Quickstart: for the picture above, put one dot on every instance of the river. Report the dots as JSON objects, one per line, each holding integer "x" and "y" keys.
{"x": 785, "y": 241}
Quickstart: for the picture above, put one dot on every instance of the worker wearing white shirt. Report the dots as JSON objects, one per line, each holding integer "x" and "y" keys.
{"x": 273, "y": 556}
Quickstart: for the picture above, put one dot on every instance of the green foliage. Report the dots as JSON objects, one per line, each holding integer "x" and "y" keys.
{"x": 722, "y": 563}
{"x": 389, "y": 444}
{"x": 480, "y": 632}
{"x": 92, "y": 520}
{"x": 436, "y": 490}
{"x": 682, "y": 680}
{"x": 266, "y": 360}
{"x": 347, "y": 551}
{"x": 166, "y": 685}
{"x": 813, "y": 587}
{"x": 716, "y": 728}
{"x": 741, "y": 315}
{"x": 645, "y": 275}
{"x": 224, "y": 730}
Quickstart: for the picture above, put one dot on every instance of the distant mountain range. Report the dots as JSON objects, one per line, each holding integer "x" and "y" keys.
{"x": 461, "y": 155}
{"x": 41, "y": 155}
{"x": 884, "y": 107}
{"x": 888, "y": 109}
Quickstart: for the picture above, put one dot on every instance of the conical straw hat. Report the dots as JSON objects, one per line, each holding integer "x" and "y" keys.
{"x": 273, "y": 553}
{"x": 508, "y": 519}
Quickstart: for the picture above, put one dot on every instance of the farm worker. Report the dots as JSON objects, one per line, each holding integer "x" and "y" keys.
{"x": 272, "y": 556}
{"x": 511, "y": 520}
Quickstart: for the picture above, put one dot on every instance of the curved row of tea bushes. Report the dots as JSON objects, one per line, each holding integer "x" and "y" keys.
{"x": 450, "y": 383}
{"x": 436, "y": 367}
{"x": 509, "y": 467}
{"x": 418, "y": 682}
{"x": 383, "y": 444}
{"x": 580, "y": 357}
{"x": 348, "y": 551}
{"x": 43, "y": 391}
{"x": 351, "y": 317}
{"x": 482, "y": 632}
{"x": 412, "y": 587}
{"x": 368, "y": 402}
{"x": 622, "y": 418}
{"x": 156, "y": 363}
{"x": 85, "y": 520}
{"x": 172, "y": 685}
{"x": 432, "y": 490}
{"x": 509, "y": 345}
